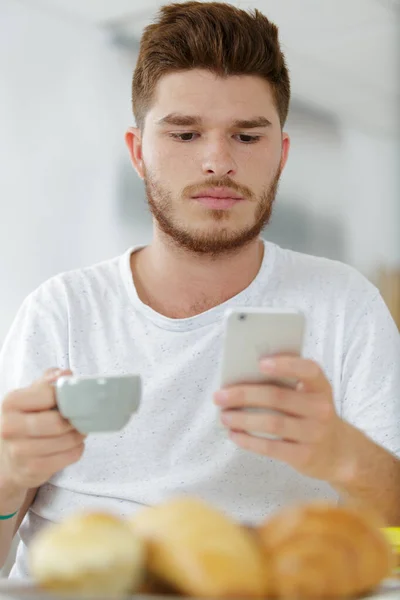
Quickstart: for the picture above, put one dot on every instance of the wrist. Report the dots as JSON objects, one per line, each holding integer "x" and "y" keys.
{"x": 351, "y": 448}
{"x": 12, "y": 497}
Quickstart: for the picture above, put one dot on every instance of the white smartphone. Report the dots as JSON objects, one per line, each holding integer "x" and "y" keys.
{"x": 251, "y": 334}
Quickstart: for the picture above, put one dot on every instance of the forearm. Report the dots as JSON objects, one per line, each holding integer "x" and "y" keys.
{"x": 370, "y": 475}
{"x": 11, "y": 500}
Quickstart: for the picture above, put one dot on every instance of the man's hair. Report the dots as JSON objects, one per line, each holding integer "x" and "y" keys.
{"x": 214, "y": 36}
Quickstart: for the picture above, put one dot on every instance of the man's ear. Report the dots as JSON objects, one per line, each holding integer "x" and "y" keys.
{"x": 285, "y": 150}
{"x": 133, "y": 140}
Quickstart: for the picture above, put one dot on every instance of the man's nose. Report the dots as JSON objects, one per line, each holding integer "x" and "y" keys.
{"x": 218, "y": 160}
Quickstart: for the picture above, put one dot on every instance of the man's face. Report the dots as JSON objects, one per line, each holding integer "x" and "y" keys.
{"x": 210, "y": 154}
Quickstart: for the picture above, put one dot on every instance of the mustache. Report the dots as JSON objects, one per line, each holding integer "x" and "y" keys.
{"x": 217, "y": 182}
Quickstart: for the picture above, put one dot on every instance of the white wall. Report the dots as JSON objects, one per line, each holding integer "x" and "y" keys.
{"x": 65, "y": 104}
{"x": 372, "y": 200}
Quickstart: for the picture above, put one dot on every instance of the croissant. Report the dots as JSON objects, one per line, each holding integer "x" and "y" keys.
{"x": 321, "y": 550}
{"x": 198, "y": 551}
{"x": 90, "y": 553}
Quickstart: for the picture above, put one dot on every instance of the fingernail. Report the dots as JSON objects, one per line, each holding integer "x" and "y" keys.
{"x": 268, "y": 364}
{"x": 226, "y": 418}
{"x": 221, "y": 397}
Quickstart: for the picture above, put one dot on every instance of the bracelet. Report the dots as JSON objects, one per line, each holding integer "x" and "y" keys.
{"x": 5, "y": 517}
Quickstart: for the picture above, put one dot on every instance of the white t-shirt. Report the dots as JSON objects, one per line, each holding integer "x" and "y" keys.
{"x": 92, "y": 321}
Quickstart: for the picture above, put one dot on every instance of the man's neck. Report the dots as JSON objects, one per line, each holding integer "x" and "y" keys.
{"x": 180, "y": 284}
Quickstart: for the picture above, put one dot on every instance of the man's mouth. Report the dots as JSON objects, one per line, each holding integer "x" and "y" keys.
{"x": 218, "y": 198}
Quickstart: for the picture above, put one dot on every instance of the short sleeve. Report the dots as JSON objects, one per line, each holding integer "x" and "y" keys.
{"x": 371, "y": 373}
{"x": 37, "y": 339}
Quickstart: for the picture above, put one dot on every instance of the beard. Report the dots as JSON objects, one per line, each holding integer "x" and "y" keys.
{"x": 216, "y": 241}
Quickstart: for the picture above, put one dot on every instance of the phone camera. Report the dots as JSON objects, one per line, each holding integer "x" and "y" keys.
{"x": 242, "y": 317}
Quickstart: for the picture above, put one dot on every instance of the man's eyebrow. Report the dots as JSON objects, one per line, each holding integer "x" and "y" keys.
{"x": 179, "y": 119}
{"x": 252, "y": 123}
{"x": 195, "y": 121}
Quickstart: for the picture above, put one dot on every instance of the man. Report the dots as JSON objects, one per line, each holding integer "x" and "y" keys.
{"x": 210, "y": 97}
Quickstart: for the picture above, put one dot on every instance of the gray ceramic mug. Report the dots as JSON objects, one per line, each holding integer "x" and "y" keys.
{"x": 95, "y": 404}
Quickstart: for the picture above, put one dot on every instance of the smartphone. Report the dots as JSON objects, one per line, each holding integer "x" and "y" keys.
{"x": 251, "y": 334}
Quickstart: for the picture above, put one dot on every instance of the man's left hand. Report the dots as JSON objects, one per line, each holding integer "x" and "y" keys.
{"x": 312, "y": 437}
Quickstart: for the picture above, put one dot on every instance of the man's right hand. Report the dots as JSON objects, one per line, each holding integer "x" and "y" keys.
{"x": 35, "y": 440}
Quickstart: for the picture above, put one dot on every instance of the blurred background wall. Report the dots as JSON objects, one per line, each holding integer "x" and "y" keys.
{"x": 69, "y": 196}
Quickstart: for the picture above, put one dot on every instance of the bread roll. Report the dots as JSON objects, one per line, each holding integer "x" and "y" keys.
{"x": 199, "y": 551}
{"x": 88, "y": 553}
{"x": 321, "y": 550}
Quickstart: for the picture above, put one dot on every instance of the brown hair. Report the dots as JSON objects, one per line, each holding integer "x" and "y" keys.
{"x": 214, "y": 36}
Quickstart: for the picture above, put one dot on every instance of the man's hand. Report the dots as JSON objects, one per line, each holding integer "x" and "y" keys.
{"x": 35, "y": 440}
{"x": 314, "y": 439}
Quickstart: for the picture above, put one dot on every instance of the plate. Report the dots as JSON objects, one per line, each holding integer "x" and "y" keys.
{"x": 15, "y": 590}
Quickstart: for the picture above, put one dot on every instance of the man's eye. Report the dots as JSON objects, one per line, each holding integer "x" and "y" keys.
{"x": 184, "y": 137}
{"x": 248, "y": 139}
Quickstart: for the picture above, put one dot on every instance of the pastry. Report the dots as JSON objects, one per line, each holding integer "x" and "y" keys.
{"x": 198, "y": 551}
{"x": 88, "y": 553}
{"x": 321, "y": 550}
